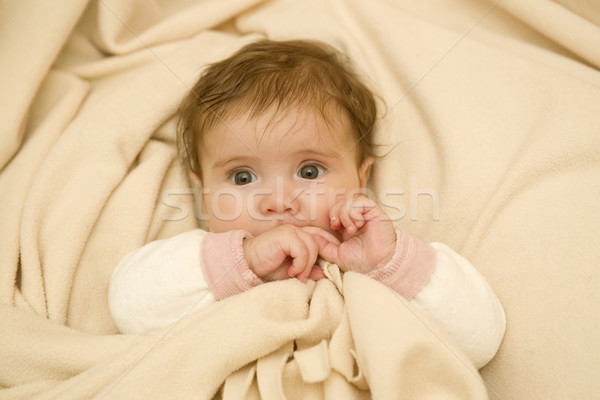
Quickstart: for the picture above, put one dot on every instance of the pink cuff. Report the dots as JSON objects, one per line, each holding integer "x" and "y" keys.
{"x": 225, "y": 267}
{"x": 410, "y": 268}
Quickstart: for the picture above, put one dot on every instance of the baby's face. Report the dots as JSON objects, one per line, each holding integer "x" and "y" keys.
{"x": 263, "y": 172}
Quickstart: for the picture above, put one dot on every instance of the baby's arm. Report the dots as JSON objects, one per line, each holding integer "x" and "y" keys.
{"x": 165, "y": 280}
{"x": 460, "y": 300}
{"x": 448, "y": 289}
{"x": 158, "y": 284}
{"x": 442, "y": 284}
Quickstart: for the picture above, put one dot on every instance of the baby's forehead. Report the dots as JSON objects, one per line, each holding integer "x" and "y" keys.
{"x": 327, "y": 122}
{"x": 281, "y": 130}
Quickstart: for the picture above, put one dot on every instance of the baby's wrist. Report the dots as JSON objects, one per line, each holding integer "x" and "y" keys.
{"x": 389, "y": 252}
{"x": 248, "y": 250}
{"x": 410, "y": 267}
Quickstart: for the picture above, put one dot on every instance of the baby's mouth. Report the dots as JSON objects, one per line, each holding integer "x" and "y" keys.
{"x": 292, "y": 219}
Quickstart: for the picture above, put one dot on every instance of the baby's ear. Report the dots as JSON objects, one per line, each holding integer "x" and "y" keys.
{"x": 196, "y": 179}
{"x": 199, "y": 199}
{"x": 364, "y": 171}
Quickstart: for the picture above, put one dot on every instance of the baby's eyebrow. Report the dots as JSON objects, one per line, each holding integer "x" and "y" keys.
{"x": 319, "y": 152}
{"x": 228, "y": 160}
{"x": 324, "y": 153}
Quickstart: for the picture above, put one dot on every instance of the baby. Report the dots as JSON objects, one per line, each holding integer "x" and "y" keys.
{"x": 279, "y": 137}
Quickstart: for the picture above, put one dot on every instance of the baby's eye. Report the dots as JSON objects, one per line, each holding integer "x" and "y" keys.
{"x": 311, "y": 171}
{"x": 243, "y": 177}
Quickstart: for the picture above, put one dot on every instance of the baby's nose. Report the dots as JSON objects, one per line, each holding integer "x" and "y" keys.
{"x": 281, "y": 198}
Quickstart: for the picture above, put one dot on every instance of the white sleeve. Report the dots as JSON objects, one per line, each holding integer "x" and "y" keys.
{"x": 159, "y": 284}
{"x": 461, "y": 301}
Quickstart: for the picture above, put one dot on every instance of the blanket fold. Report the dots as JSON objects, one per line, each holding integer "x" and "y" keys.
{"x": 277, "y": 318}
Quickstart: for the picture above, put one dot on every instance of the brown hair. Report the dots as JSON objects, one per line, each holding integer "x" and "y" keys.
{"x": 281, "y": 73}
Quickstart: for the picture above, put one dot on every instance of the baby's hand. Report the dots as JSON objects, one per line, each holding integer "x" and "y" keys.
{"x": 369, "y": 237}
{"x": 284, "y": 252}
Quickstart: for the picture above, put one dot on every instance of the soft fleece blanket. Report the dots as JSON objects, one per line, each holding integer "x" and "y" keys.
{"x": 492, "y": 121}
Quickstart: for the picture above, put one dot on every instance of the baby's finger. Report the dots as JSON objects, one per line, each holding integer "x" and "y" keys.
{"x": 348, "y": 217}
{"x": 359, "y": 210}
{"x": 334, "y": 216}
{"x": 295, "y": 248}
{"x": 314, "y": 230}
{"x": 327, "y": 250}
{"x": 316, "y": 273}
{"x": 312, "y": 252}
{"x": 299, "y": 252}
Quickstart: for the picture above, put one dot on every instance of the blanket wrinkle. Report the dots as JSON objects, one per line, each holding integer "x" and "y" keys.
{"x": 121, "y": 27}
{"x": 495, "y": 118}
{"x": 574, "y": 32}
{"x": 22, "y": 73}
{"x": 55, "y": 105}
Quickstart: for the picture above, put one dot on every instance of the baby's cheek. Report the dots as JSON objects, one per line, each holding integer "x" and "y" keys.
{"x": 224, "y": 211}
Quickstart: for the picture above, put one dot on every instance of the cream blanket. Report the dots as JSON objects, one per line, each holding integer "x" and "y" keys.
{"x": 493, "y": 124}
